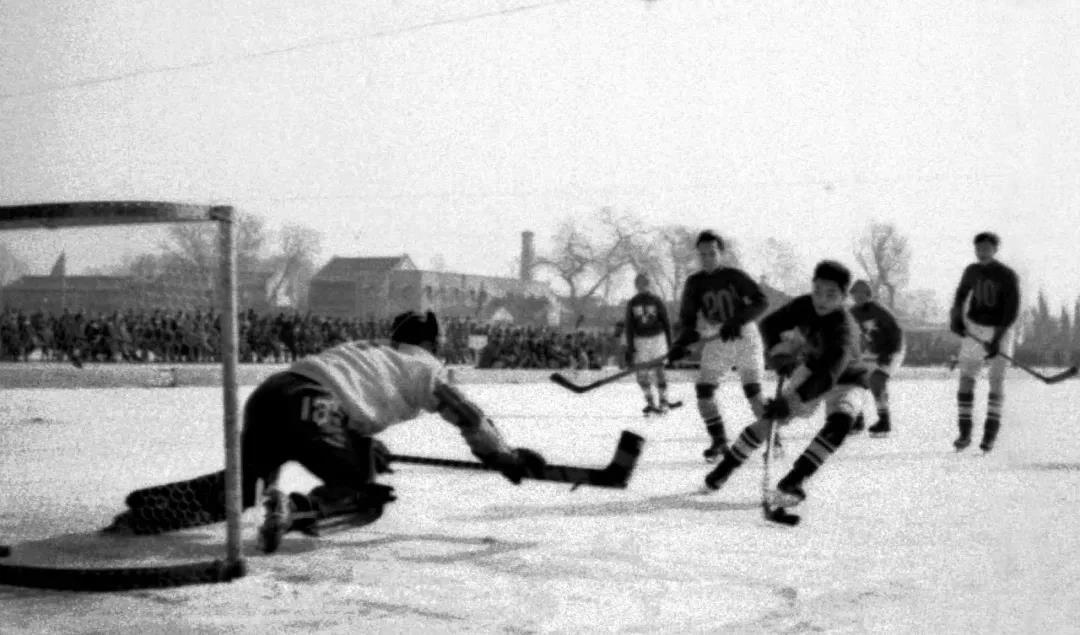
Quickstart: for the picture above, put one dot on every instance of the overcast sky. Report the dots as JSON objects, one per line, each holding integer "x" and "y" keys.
{"x": 801, "y": 121}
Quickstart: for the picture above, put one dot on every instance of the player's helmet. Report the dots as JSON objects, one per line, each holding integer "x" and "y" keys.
{"x": 412, "y": 328}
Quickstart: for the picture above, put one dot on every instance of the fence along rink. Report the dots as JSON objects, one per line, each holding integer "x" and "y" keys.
{"x": 149, "y": 284}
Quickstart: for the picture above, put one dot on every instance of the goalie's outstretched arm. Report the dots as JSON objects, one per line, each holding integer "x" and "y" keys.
{"x": 483, "y": 437}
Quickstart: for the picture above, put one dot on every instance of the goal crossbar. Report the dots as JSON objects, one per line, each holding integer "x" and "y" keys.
{"x": 88, "y": 213}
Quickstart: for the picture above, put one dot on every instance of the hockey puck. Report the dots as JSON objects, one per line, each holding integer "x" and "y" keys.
{"x": 5, "y": 551}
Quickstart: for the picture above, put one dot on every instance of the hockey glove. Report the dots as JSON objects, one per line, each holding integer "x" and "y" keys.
{"x": 777, "y": 409}
{"x": 731, "y": 330}
{"x": 518, "y": 464}
{"x": 783, "y": 363}
{"x": 993, "y": 347}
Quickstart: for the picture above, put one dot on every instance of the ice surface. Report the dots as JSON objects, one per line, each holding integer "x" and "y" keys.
{"x": 898, "y": 534}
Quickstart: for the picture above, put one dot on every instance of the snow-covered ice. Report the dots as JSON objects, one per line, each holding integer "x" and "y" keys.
{"x": 898, "y": 535}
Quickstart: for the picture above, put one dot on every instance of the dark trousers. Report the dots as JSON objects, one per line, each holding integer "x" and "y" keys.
{"x": 292, "y": 418}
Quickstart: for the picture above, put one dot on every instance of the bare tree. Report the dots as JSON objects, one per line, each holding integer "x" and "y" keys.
{"x": 12, "y": 267}
{"x": 921, "y": 305}
{"x": 782, "y": 268}
{"x": 587, "y": 265}
{"x": 671, "y": 260}
{"x": 438, "y": 262}
{"x": 885, "y": 255}
{"x": 295, "y": 264}
{"x": 197, "y": 243}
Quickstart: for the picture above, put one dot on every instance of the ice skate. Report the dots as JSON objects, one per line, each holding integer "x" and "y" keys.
{"x": 650, "y": 410}
{"x": 990, "y": 431}
{"x": 714, "y": 451}
{"x": 962, "y": 442}
{"x": 276, "y": 521}
{"x": 879, "y": 430}
{"x": 715, "y": 479}
{"x": 858, "y": 426}
{"x": 788, "y": 494}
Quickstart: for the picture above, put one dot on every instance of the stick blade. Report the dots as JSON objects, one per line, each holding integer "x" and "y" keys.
{"x": 561, "y": 380}
{"x": 781, "y": 516}
{"x": 622, "y": 466}
{"x": 1062, "y": 376}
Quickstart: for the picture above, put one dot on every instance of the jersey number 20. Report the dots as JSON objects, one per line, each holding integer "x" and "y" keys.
{"x": 719, "y": 305}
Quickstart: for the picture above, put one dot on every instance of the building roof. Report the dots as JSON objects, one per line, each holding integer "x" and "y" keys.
{"x": 341, "y": 267}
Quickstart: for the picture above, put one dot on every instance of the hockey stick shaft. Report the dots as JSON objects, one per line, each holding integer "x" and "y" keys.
{"x": 767, "y": 460}
{"x": 563, "y": 381}
{"x": 1047, "y": 379}
{"x": 616, "y": 474}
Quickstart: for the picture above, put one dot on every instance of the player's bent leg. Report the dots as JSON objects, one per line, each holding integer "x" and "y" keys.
{"x": 840, "y": 405}
{"x": 965, "y": 401}
{"x": 994, "y": 402}
{"x": 644, "y": 381}
{"x": 661, "y": 389}
{"x": 879, "y": 388}
{"x": 709, "y": 410}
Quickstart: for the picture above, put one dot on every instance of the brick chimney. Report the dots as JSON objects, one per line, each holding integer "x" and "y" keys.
{"x": 528, "y": 255}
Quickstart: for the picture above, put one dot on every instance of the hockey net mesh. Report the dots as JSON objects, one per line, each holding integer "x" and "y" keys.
{"x": 90, "y": 319}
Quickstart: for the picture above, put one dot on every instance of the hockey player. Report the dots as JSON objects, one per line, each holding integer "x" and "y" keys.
{"x": 648, "y": 336}
{"x": 323, "y": 412}
{"x": 992, "y": 293}
{"x": 814, "y": 342}
{"x": 883, "y": 351}
{"x": 725, "y": 301}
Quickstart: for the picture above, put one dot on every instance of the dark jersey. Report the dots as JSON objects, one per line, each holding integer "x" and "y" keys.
{"x": 995, "y": 294}
{"x": 722, "y": 295}
{"x": 881, "y": 333}
{"x": 646, "y": 316}
{"x": 832, "y": 348}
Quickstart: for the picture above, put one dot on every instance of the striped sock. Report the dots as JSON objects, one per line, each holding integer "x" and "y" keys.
{"x": 749, "y": 440}
{"x": 993, "y": 417}
{"x": 815, "y": 454}
{"x": 964, "y": 402}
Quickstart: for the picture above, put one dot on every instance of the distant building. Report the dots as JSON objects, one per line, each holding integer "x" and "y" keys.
{"x": 381, "y": 287}
{"x": 105, "y": 294}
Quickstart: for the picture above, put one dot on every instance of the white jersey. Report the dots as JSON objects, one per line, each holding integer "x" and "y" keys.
{"x": 378, "y": 386}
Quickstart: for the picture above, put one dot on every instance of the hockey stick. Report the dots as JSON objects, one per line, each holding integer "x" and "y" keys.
{"x": 773, "y": 514}
{"x": 617, "y": 474}
{"x": 1046, "y": 379}
{"x": 562, "y": 380}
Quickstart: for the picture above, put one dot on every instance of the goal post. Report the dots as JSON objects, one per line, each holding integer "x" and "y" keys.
{"x": 56, "y": 295}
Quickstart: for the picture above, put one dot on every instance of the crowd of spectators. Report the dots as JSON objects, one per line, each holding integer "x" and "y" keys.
{"x": 193, "y": 336}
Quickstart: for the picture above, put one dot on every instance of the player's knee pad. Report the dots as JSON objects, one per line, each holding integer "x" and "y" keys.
{"x": 705, "y": 391}
{"x": 967, "y": 383}
{"x": 643, "y": 378}
{"x": 836, "y": 428}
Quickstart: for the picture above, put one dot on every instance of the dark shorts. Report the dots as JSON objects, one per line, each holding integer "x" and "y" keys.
{"x": 290, "y": 417}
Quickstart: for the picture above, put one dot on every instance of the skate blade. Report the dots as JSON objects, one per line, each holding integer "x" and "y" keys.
{"x": 777, "y": 498}
{"x": 879, "y": 435}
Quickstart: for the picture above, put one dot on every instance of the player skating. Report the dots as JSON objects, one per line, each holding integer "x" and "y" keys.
{"x": 323, "y": 412}
{"x": 721, "y": 300}
{"x": 648, "y": 336}
{"x": 992, "y": 293}
{"x": 815, "y": 343}
{"x": 882, "y": 349}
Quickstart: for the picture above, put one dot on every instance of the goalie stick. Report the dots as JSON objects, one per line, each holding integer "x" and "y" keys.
{"x": 617, "y": 474}
{"x": 1046, "y": 379}
{"x": 563, "y": 381}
